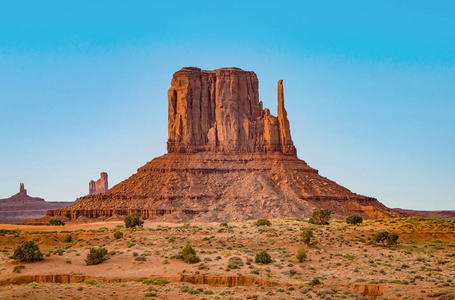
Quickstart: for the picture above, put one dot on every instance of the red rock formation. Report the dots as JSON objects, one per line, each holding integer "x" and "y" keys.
{"x": 22, "y": 190}
{"x": 22, "y": 207}
{"x": 220, "y": 111}
{"x": 99, "y": 186}
{"x": 228, "y": 159}
{"x": 285, "y": 132}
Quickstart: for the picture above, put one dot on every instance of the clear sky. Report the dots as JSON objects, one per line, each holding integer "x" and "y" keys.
{"x": 369, "y": 88}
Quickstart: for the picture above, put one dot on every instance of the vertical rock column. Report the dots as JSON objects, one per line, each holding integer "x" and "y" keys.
{"x": 287, "y": 146}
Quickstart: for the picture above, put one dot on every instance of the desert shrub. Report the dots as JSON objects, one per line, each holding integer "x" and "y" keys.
{"x": 235, "y": 262}
{"x": 386, "y": 238}
{"x": 320, "y": 217}
{"x": 18, "y": 268}
{"x": 301, "y": 254}
{"x": 141, "y": 258}
{"x": 154, "y": 281}
{"x": 68, "y": 238}
{"x": 354, "y": 220}
{"x": 95, "y": 256}
{"x": 224, "y": 224}
{"x": 27, "y": 252}
{"x": 16, "y": 232}
{"x": 133, "y": 220}
{"x": 90, "y": 282}
{"x": 315, "y": 281}
{"x": 262, "y": 222}
{"x": 188, "y": 255}
{"x": 118, "y": 234}
{"x": 159, "y": 281}
{"x": 263, "y": 257}
{"x": 56, "y": 222}
{"x": 306, "y": 236}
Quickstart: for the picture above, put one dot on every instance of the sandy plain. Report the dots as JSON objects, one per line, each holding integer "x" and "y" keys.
{"x": 140, "y": 265}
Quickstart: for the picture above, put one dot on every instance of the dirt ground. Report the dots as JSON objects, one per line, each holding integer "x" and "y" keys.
{"x": 344, "y": 263}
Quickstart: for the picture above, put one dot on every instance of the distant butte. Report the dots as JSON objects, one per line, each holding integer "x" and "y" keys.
{"x": 99, "y": 186}
{"x": 228, "y": 159}
{"x": 22, "y": 207}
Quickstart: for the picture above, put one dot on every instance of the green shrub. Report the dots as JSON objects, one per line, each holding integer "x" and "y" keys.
{"x": 153, "y": 281}
{"x": 27, "y": 252}
{"x": 133, "y": 220}
{"x": 118, "y": 234}
{"x": 320, "y": 217}
{"x": 306, "y": 236}
{"x": 68, "y": 238}
{"x": 95, "y": 256}
{"x": 235, "y": 262}
{"x": 56, "y": 222}
{"x": 354, "y": 220}
{"x": 188, "y": 255}
{"x": 262, "y": 222}
{"x": 386, "y": 238}
{"x": 224, "y": 224}
{"x": 315, "y": 281}
{"x": 18, "y": 268}
{"x": 301, "y": 254}
{"x": 263, "y": 257}
{"x": 90, "y": 282}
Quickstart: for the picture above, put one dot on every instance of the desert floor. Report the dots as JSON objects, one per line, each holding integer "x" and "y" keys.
{"x": 141, "y": 264}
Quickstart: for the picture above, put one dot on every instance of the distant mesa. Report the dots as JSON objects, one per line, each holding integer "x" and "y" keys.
{"x": 228, "y": 159}
{"x": 99, "y": 186}
{"x": 442, "y": 214}
{"x": 22, "y": 196}
{"x": 22, "y": 207}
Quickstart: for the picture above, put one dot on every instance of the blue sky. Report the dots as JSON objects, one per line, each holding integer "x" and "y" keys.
{"x": 369, "y": 88}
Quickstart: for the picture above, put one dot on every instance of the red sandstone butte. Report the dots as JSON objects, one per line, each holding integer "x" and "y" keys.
{"x": 228, "y": 159}
{"x": 22, "y": 207}
{"x": 99, "y": 186}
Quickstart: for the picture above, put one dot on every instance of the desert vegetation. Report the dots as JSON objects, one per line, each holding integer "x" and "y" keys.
{"x": 235, "y": 260}
{"x": 133, "y": 220}
{"x": 320, "y": 217}
{"x": 353, "y": 219}
{"x": 56, "y": 222}
{"x": 27, "y": 251}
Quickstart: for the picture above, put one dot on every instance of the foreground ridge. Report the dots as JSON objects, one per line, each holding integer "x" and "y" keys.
{"x": 228, "y": 159}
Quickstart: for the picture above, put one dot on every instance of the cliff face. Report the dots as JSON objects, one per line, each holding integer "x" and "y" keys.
{"x": 228, "y": 159}
{"x": 220, "y": 111}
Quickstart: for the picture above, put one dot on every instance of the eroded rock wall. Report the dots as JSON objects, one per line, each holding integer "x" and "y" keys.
{"x": 220, "y": 111}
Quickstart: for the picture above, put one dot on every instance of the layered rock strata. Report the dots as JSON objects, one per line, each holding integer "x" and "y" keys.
{"x": 228, "y": 159}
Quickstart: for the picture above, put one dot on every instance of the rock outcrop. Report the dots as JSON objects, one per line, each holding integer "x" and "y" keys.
{"x": 22, "y": 207}
{"x": 228, "y": 159}
{"x": 220, "y": 111}
{"x": 99, "y": 186}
